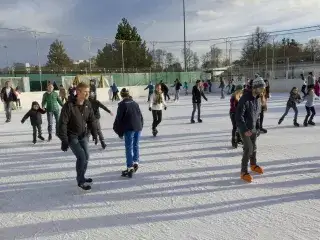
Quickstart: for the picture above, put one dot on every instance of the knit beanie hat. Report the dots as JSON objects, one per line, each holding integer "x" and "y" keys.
{"x": 239, "y": 87}
{"x": 258, "y": 83}
{"x": 124, "y": 92}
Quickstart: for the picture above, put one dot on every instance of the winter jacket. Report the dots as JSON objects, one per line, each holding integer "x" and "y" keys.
{"x": 150, "y": 87}
{"x": 317, "y": 89}
{"x": 233, "y": 104}
{"x": 248, "y": 113}
{"x": 197, "y": 94}
{"x": 51, "y": 101}
{"x": 310, "y": 97}
{"x": 164, "y": 88}
{"x": 185, "y": 86}
{"x": 12, "y": 97}
{"x": 35, "y": 115}
{"x": 157, "y": 106}
{"x": 129, "y": 117}
{"x": 293, "y": 99}
{"x": 114, "y": 88}
{"x": 177, "y": 86}
{"x": 74, "y": 120}
{"x": 96, "y": 105}
{"x": 311, "y": 81}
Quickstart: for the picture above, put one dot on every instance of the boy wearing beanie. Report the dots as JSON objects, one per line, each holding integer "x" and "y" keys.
{"x": 129, "y": 124}
{"x": 247, "y": 120}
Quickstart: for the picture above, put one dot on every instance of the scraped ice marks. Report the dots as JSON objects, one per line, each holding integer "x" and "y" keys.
{"x": 45, "y": 235}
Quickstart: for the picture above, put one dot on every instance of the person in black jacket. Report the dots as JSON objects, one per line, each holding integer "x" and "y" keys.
{"x": 76, "y": 114}
{"x": 95, "y": 106}
{"x": 8, "y": 96}
{"x": 165, "y": 90}
{"x": 129, "y": 124}
{"x": 35, "y": 119}
{"x": 294, "y": 98}
{"x": 177, "y": 85}
{"x": 93, "y": 88}
{"x": 197, "y": 93}
{"x": 247, "y": 120}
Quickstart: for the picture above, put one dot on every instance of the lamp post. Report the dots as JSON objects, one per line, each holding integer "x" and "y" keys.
{"x": 184, "y": 36}
{"x": 7, "y": 58}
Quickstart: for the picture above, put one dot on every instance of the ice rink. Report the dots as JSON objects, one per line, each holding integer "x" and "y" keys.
{"x": 188, "y": 185}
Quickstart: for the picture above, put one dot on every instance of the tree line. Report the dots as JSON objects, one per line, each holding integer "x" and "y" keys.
{"x": 130, "y": 51}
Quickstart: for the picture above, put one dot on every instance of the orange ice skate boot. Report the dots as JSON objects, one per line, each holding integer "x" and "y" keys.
{"x": 246, "y": 177}
{"x": 256, "y": 169}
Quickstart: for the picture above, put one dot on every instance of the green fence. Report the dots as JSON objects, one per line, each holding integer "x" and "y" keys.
{"x": 121, "y": 79}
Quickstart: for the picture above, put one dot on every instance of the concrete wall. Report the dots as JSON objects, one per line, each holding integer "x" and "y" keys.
{"x": 277, "y": 86}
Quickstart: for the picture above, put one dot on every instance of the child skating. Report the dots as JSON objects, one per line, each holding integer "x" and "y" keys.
{"x": 235, "y": 137}
{"x": 96, "y": 105}
{"x": 197, "y": 93}
{"x": 292, "y": 103}
{"x": 311, "y": 112}
{"x": 157, "y": 103}
{"x": 36, "y": 120}
{"x": 247, "y": 120}
{"x": 128, "y": 125}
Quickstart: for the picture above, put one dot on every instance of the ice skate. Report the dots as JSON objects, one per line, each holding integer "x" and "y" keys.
{"x": 103, "y": 145}
{"x": 280, "y": 121}
{"x": 41, "y": 138}
{"x": 192, "y": 121}
{"x": 263, "y": 130}
{"x": 245, "y": 176}
{"x": 50, "y": 137}
{"x": 154, "y": 132}
{"x": 135, "y": 167}
{"x": 84, "y": 187}
{"x": 296, "y": 124}
{"x": 128, "y": 173}
{"x": 34, "y": 141}
{"x": 199, "y": 120}
{"x": 234, "y": 143}
{"x": 88, "y": 180}
{"x": 256, "y": 169}
{"x": 310, "y": 122}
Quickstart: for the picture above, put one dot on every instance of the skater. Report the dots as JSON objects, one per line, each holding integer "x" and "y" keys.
{"x": 247, "y": 120}
{"x": 165, "y": 90}
{"x": 222, "y": 86}
{"x": 292, "y": 103}
{"x": 304, "y": 85}
{"x": 8, "y": 97}
{"x": 311, "y": 80}
{"x": 264, "y": 108}
{"x": 156, "y": 105}
{"x": 235, "y": 137}
{"x": 197, "y": 93}
{"x": 150, "y": 87}
{"x": 185, "y": 87}
{"x": 115, "y": 92}
{"x": 76, "y": 114}
{"x": 177, "y": 85}
{"x": 36, "y": 120}
{"x": 311, "y": 112}
{"x": 93, "y": 88}
{"x": 51, "y": 102}
{"x": 18, "y": 94}
{"x": 63, "y": 94}
{"x": 129, "y": 124}
{"x": 95, "y": 106}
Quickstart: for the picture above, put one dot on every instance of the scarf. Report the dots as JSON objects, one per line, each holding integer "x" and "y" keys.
{"x": 157, "y": 98}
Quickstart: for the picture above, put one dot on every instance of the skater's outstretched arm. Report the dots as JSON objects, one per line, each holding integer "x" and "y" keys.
{"x": 104, "y": 107}
{"x": 25, "y": 117}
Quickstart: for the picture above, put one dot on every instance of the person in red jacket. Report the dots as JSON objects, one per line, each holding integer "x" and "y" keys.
{"x": 235, "y": 139}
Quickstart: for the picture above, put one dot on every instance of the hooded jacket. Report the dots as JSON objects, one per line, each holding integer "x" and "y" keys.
{"x": 35, "y": 115}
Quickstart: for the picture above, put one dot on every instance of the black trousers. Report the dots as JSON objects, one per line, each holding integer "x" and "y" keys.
{"x": 36, "y": 129}
{"x": 166, "y": 95}
{"x": 261, "y": 119}
{"x": 311, "y": 112}
{"x": 249, "y": 151}
{"x": 234, "y": 124}
{"x": 157, "y": 118}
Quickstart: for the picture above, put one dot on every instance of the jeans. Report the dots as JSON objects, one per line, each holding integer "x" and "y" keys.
{"x": 8, "y": 109}
{"x": 157, "y": 118}
{"x": 177, "y": 95}
{"x": 196, "y": 106}
{"x": 295, "y": 109}
{"x": 166, "y": 95}
{"x": 310, "y": 111}
{"x": 36, "y": 128}
{"x": 249, "y": 151}
{"x": 222, "y": 92}
{"x": 149, "y": 95}
{"x": 50, "y": 120}
{"x": 79, "y": 147}
{"x": 131, "y": 140}
{"x": 261, "y": 119}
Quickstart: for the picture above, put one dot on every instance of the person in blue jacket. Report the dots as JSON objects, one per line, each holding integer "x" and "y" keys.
{"x": 151, "y": 90}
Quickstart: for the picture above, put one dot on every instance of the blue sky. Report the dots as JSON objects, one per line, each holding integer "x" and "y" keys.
{"x": 159, "y": 20}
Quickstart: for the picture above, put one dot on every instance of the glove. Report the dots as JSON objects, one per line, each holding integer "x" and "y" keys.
{"x": 64, "y": 146}
{"x": 95, "y": 139}
{"x": 165, "y": 108}
{"x": 22, "y": 122}
{"x": 150, "y": 109}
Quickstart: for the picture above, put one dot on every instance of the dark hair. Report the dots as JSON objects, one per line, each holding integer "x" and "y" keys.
{"x": 82, "y": 85}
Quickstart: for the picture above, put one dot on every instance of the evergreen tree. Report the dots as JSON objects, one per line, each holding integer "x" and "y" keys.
{"x": 127, "y": 41}
{"x": 58, "y": 58}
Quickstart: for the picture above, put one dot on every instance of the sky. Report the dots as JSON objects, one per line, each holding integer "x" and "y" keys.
{"x": 159, "y": 21}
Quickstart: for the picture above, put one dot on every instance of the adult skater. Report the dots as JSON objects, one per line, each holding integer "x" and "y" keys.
{"x": 129, "y": 124}
{"x": 234, "y": 100}
{"x": 156, "y": 105}
{"x": 51, "y": 102}
{"x": 197, "y": 93}
{"x": 8, "y": 96}
{"x": 177, "y": 86}
{"x": 247, "y": 119}
{"x": 311, "y": 80}
{"x": 150, "y": 87}
{"x": 75, "y": 115}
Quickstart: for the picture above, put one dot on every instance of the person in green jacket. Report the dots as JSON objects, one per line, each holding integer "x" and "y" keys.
{"x": 51, "y": 102}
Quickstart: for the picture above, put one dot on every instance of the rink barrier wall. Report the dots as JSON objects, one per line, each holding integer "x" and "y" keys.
{"x": 276, "y": 86}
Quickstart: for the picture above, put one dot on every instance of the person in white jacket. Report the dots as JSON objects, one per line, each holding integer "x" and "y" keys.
{"x": 156, "y": 105}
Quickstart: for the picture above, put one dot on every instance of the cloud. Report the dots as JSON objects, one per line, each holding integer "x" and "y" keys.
{"x": 211, "y": 19}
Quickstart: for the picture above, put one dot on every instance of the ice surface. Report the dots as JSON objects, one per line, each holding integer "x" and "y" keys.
{"x": 187, "y": 186}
